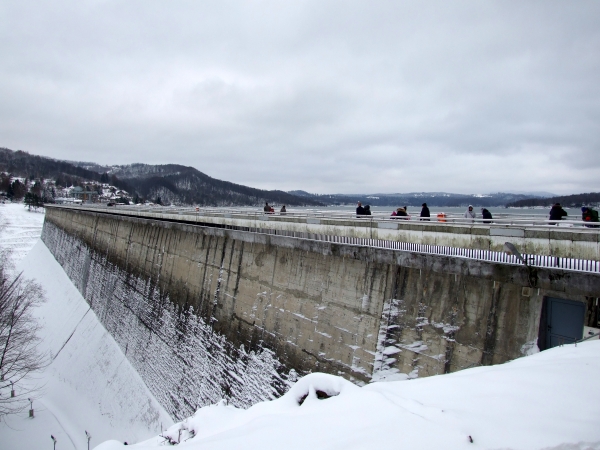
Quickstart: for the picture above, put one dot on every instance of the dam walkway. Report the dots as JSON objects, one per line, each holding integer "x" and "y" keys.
{"x": 568, "y": 245}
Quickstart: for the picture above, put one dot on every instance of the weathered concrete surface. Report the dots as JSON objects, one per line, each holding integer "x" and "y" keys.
{"x": 210, "y": 297}
{"x": 578, "y": 243}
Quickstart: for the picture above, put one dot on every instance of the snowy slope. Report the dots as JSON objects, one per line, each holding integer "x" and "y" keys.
{"x": 547, "y": 400}
{"x": 19, "y": 228}
{"x": 89, "y": 384}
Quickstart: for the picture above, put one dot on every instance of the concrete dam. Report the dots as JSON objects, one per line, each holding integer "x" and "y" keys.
{"x": 207, "y": 307}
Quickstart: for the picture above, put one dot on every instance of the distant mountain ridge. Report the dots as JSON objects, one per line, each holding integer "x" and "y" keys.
{"x": 574, "y": 201}
{"x": 417, "y": 198}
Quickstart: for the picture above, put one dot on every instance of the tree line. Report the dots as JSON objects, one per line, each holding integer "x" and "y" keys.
{"x": 573, "y": 201}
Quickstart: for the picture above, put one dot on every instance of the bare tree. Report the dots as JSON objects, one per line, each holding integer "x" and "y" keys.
{"x": 19, "y": 355}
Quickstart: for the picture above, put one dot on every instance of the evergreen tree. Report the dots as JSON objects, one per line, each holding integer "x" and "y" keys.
{"x": 32, "y": 199}
{"x": 18, "y": 190}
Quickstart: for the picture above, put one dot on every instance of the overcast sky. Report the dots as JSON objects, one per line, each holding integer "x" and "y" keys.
{"x": 324, "y": 96}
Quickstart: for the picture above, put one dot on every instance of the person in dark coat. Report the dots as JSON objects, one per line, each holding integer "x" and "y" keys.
{"x": 557, "y": 213}
{"x": 401, "y": 214}
{"x": 589, "y": 215}
{"x": 425, "y": 211}
{"x": 486, "y": 215}
{"x": 283, "y": 210}
{"x": 360, "y": 210}
{"x": 367, "y": 210}
{"x": 267, "y": 208}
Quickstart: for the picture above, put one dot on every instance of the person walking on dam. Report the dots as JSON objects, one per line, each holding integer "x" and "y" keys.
{"x": 425, "y": 214}
{"x": 557, "y": 213}
{"x": 469, "y": 213}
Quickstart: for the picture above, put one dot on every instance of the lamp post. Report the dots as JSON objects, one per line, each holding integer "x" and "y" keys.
{"x": 53, "y": 440}
{"x": 89, "y": 436}
{"x": 30, "y": 408}
{"x": 12, "y": 389}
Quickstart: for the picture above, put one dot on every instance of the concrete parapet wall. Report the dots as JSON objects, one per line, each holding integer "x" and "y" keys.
{"x": 578, "y": 243}
{"x": 241, "y": 314}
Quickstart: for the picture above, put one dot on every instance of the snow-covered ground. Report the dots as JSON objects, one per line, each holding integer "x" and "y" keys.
{"x": 89, "y": 384}
{"x": 550, "y": 400}
{"x": 20, "y": 228}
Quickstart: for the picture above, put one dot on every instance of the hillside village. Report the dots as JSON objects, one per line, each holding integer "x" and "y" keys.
{"x": 38, "y": 191}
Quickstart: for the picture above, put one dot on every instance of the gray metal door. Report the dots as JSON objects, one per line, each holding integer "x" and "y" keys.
{"x": 564, "y": 321}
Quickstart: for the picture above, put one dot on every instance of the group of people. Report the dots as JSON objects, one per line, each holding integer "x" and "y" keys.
{"x": 363, "y": 210}
{"x": 402, "y": 213}
{"x": 588, "y": 215}
{"x": 485, "y": 214}
{"x": 270, "y": 210}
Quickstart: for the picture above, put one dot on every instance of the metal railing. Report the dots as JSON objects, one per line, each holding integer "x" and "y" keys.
{"x": 579, "y": 265}
{"x": 592, "y": 336}
{"x": 518, "y": 220}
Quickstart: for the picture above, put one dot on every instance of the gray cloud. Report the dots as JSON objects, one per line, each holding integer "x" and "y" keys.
{"x": 322, "y": 96}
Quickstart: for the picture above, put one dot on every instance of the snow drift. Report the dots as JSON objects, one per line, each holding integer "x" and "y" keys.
{"x": 547, "y": 400}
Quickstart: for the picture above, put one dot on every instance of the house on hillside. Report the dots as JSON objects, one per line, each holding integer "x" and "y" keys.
{"x": 80, "y": 193}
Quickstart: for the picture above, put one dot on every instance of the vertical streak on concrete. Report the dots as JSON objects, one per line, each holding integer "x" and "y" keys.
{"x": 236, "y": 288}
{"x": 489, "y": 343}
{"x": 218, "y": 288}
{"x": 155, "y": 271}
{"x": 391, "y": 323}
{"x": 450, "y": 338}
{"x": 131, "y": 228}
{"x": 86, "y": 273}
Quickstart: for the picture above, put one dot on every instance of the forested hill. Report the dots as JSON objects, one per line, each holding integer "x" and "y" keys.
{"x": 170, "y": 183}
{"x": 23, "y": 164}
{"x": 185, "y": 185}
{"x": 575, "y": 201}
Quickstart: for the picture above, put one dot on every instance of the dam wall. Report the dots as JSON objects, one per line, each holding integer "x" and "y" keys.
{"x": 205, "y": 313}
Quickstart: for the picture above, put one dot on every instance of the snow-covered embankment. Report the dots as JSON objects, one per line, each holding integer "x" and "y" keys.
{"x": 89, "y": 384}
{"x": 545, "y": 401}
